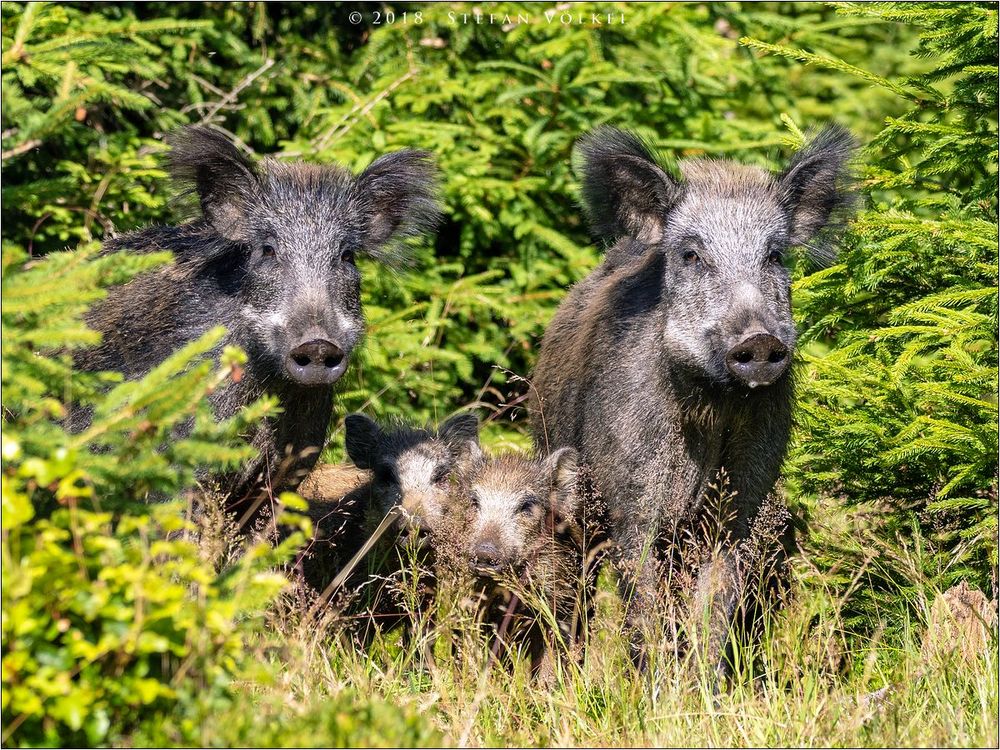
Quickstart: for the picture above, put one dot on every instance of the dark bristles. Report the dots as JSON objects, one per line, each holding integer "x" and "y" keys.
{"x": 818, "y": 188}
{"x": 625, "y": 191}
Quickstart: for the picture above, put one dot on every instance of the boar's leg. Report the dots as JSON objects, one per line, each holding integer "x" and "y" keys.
{"x": 751, "y": 459}
{"x": 717, "y": 591}
{"x": 639, "y": 586}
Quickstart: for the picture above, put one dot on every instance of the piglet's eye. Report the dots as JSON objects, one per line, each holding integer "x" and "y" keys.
{"x": 528, "y": 505}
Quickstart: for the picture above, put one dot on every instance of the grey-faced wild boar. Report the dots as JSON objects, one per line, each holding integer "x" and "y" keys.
{"x": 271, "y": 256}
{"x": 671, "y": 360}
{"x": 525, "y": 545}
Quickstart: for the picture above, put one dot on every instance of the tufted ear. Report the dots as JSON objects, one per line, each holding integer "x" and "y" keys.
{"x": 398, "y": 197}
{"x": 562, "y": 468}
{"x": 625, "y": 191}
{"x": 461, "y": 434}
{"x": 816, "y": 183}
{"x": 361, "y": 439}
{"x": 204, "y": 162}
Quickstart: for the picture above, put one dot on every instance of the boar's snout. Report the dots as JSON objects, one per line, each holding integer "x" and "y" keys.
{"x": 486, "y": 557}
{"x": 758, "y": 359}
{"x": 316, "y": 362}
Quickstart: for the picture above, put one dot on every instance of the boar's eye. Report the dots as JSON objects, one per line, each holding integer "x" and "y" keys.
{"x": 267, "y": 250}
{"x": 775, "y": 256}
{"x": 528, "y": 504}
{"x": 691, "y": 257}
{"x": 347, "y": 257}
{"x": 474, "y": 502}
{"x": 440, "y": 474}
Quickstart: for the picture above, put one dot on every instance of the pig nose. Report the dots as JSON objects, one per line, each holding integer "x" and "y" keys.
{"x": 759, "y": 359}
{"x": 486, "y": 557}
{"x": 316, "y": 362}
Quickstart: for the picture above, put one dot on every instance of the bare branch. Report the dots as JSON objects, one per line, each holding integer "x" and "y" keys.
{"x": 231, "y": 96}
{"x": 18, "y": 150}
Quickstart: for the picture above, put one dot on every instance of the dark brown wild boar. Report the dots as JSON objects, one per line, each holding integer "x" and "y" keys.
{"x": 671, "y": 360}
{"x": 272, "y": 257}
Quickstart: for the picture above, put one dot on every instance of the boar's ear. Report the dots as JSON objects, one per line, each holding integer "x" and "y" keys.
{"x": 562, "y": 467}
{"x": 206, "y": 163}
{"x": 625, "y": 191}
{"x": 815, "y": 186}
{"x": 361, "y": 440}
{"x": 398, "y": 197}
{"x": 461, "y": 434}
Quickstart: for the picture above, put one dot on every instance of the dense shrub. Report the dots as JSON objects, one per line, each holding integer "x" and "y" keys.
{"x": 899, "y": 400}
{"x": 111, "y": 614}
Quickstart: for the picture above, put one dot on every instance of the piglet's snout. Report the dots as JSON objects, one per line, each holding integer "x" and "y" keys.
{"x": 486, "y": 557}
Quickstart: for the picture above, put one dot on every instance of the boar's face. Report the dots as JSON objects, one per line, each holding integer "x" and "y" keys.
{"x": 716, "y": 241}
{"x": 513, "y": 505}
{"x": 292, "y": 234}
{"x": 728, "y": 313}
{"x": 413, "y": 468}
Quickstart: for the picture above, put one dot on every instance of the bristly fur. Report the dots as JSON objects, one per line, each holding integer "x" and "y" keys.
{"x": 269, "y": 253}
{"x": 611, "y": 199}
{"x": 200, "y": 162}
{"x": 413, "y": 175}
{"x": 819, "y": 180}
{"x": 208, "y": 171}
{"x": 672, "y": 359}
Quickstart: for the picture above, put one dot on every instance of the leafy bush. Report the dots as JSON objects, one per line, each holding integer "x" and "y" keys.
{"x": 899, "y": 399}
{"x": 110, "y": 614}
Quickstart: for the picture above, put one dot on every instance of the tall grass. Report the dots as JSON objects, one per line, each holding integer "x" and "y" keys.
{"x": 805, "y": 680}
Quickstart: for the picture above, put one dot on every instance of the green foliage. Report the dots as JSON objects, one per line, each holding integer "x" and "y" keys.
{"x": 129, "y": 449}
{"x": 110, "y": 622}
{"x": 348, "y": 718}
{"x": 111, "y": 614}
{"x": 899, "y": 394}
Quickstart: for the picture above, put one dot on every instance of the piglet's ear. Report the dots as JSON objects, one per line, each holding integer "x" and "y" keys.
{"x": 562, "y": 466}
{"x": 815, "y": 186}
{"x": 362, "y": 439}
{"x": 461, "y": 434}
{"x": 205, "y": 163}
{"x": 625, "y": 191}
{"x": 397, "y": 197}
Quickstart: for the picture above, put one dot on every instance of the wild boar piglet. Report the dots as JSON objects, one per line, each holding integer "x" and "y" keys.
{"x": 525, "y": 544}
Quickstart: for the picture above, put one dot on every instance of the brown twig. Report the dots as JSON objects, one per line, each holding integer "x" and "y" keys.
{"x": 359, "y": 111}
{"x": 345, "y": 573}
{"x": 231, "y": 96}
{"x": 20, "y": 149}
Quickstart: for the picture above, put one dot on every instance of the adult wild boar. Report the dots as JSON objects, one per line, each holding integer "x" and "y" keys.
{"x": 670, "y": 362}
{"x": 272, "y": 258}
